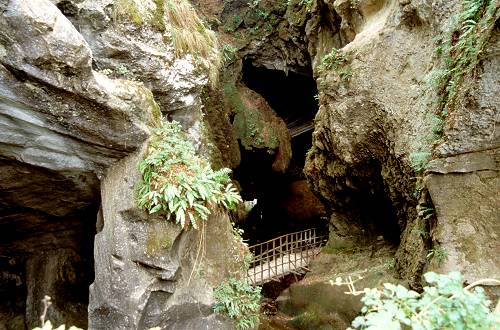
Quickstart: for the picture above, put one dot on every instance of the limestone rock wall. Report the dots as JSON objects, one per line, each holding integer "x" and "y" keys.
{"x": 149, "y": 272}
{"x": 373, "y": 115}
{"x": 373, "y": 119}
{"x": 80, "y": 89}
{"x": 62, "y": 124}
{"x": 463, "y": 181}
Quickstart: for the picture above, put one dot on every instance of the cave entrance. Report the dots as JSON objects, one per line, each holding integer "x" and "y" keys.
{"x": 283, "y": 201}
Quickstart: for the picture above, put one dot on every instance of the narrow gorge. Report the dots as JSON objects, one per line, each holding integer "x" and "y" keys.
{"x": 145, "y": 145}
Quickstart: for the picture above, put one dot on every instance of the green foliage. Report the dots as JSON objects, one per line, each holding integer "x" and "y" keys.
{"x": 345, "y": 74}
{"x": 461, "y": 48}
{"x": 444, "y": 304}
{"x": 437, "y": 127}
{"x": 336, "y": 61}
{"x": 419, "y": 160}
{"x": 248, "y": 257}
{"x": 426, "y": 211}
{"x": 307, "y": 3}
{"x": 263, "y": 14}
{"x": 309, "y": 320}
{"x": 233, "y": 24}
{"x": 188, "y": 32}
{"x": 251, "y": 127}
{"x": 424, "y": 234}
{"x": 127, "y": 11}
{"x": 229, "y": 52}
{"x": 240, "y": 301}
{"x": 419, "y": 187}
{"x": 122, "y": 70}
{"x": 178, "y": 183}
{"x": 253, "y": 3}
{"x": 158, "y": 18}
{"x": 191, "y": 36}
{"x": 437, "y": 254}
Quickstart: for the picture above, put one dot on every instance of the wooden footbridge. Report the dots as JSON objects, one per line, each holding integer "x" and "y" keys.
{"x": 283, "y": 255}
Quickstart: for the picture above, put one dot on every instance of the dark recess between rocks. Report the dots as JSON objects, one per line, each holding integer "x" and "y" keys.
{"x": 292, "y": 97}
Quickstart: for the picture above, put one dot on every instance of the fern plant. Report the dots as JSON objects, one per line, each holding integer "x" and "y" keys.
{"x": 437, "y": 254}
{"x": 240, "y": 301}
{"x": 420, "y": 160}
{"x": 178, "y": 183}
{"x": 462, "y": 47}
{"x": 336, "y": 61}
{"x": 460, "y": 52}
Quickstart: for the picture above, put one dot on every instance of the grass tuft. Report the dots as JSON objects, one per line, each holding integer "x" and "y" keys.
{"x": 127, "y": 11}
{"x": 191, "y": 36}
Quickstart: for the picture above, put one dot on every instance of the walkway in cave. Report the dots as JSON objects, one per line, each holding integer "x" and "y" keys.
{"x": 283, "y": 255}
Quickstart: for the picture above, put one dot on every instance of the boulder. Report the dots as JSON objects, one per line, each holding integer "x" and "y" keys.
{"x": 149, "y": 272}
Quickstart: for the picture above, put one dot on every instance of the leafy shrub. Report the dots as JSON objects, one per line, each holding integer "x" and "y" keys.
{"x": 178, "y": 183}
{"x": 240, "y": 301}
{"x": 445, "y": 304}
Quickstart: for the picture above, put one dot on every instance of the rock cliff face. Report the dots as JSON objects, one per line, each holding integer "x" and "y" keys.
{"x": 80, "y": 87}
{"x": 370, "y": 124}
{"x": 62, "y": 125}
{"x": 82, "y": 83}
{"x": 149, "y": 273}
{"x": 374, "y": 116}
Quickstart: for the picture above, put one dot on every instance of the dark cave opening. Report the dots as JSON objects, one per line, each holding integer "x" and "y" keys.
{"x": 54, "y": 255}
{"x": 284, "y": 201}
{"x": 367, "y": 204}
{"x": 291, "y": 95}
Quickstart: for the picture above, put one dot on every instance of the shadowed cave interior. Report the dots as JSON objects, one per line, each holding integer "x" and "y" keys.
{"x": 284, "y": 202}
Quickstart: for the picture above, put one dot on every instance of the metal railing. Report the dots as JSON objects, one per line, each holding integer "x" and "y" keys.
{"x": 290, "y": 253}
